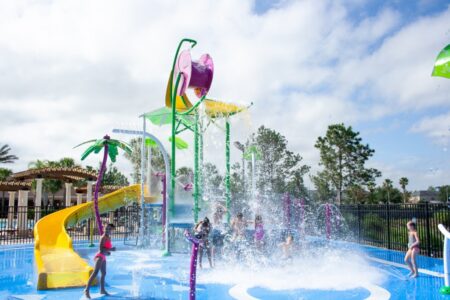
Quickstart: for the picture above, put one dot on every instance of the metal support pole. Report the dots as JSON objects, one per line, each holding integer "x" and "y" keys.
{"x": 149, "y": 169}
{"x": 243, "y": 172}
{"x": 173, "y": 152}
{"x": 200, "y": 161}
{"x": 253, "y": 176}
{"x": 196, "y": 185}
{"x": 227, "y": 164}
{"x": 388, "y": 216}
{"x": 359, "y": 222}
{"x": 427, "y": 225}
{"x": 141, "y": 227}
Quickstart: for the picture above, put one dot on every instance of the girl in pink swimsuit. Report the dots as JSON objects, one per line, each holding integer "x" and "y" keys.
{"x": 105, "y": 249}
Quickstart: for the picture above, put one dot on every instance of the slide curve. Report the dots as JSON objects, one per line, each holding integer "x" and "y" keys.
{"x": 58, "y": 265}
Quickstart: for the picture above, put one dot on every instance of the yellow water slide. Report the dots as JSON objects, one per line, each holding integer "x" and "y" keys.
{"x": 58, "y": 265}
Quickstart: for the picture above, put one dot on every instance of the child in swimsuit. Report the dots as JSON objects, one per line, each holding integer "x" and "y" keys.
{"x": 413, "y": 249}
{"x": 202, "y": 230}
{"x": 287, "y": 247}
{"x": 218, "y": 231}
{"x": 259, "y": 232}
{"x": 105, "y": 249}
{"x": 238, "y": 225}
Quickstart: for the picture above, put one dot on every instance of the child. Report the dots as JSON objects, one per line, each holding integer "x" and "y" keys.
{"x": 259, "y": 232}
{"x": 238, "y": 226}
{"x": 413, "y": 249}
{"x": 218, "y": 231}
{"x": 202, "y": 230}
{"x": 287, "y": 247}
{"x": 105, "y": 249}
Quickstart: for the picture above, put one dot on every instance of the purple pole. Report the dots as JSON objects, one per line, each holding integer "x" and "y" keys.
{"x": 328, "y": 220}
{"x": 287, "y": 211}
{"x": 97, "y": 187}
{"x": 193, "y": 266}
{"x": 302, "y": 214}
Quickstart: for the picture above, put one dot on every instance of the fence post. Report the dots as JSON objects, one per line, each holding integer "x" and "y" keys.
{"x": 359, "y": 223}
{"x": 388, "y": 216}
{"x": 427, "y": 224}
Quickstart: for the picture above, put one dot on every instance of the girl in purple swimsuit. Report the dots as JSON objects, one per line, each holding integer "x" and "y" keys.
{"x": 259, "y": 232}
{"x": 105, "y": 249}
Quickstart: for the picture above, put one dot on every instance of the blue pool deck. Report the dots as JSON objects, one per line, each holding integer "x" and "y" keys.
{"x": 371, "y": 273}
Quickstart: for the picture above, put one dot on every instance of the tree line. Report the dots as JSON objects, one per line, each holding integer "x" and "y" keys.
{"x": 344, "y": 175}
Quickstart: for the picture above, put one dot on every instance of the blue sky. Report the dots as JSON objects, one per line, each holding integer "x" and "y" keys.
{"x": 304, "y": 64}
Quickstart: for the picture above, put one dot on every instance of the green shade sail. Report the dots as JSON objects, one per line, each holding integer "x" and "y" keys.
{"x": 163, "y": 116}
{"x": 442, "y": 63}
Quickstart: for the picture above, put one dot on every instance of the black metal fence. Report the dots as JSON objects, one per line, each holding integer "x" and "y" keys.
{"x": 384, "y": 225}
{"x": 381, "y": 225}
{"x": 17, "y": 224}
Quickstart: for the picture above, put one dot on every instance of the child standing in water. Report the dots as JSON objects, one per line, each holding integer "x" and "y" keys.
{"x": 218, "y": 231}
{"x": 105, "y": 248}
{"x": 413, "y": 249}
{"x": 202, "y": 230}
{"x": 259, "y": 233}
{"x": 287, "y": 247}
{"x": 238, "y": 226}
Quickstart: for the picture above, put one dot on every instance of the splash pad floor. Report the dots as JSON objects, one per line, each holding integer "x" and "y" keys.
{"x": 338, "y": 271}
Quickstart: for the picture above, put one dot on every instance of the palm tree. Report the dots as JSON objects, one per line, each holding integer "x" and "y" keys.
{"x": 403, "y": 183}
{"x": 110, "y": 148}
{"x": 6, "y": 158}
{"x": 387, "y": 184}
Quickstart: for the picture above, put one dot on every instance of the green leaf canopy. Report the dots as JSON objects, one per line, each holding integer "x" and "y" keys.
{"x": 252, "y": 150}
{"x": 179, "y": 143}
{"x": 98, "y": 145}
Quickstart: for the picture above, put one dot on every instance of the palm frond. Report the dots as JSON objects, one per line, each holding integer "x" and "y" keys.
{"x": 88, "y": 152}
{"x": 90, "y": 141}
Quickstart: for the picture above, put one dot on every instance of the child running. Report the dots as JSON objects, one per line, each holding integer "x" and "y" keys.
{"x": 413, "y": 249}
{"x": 259, "y": 233}
{"x": 202, "y": 230}
{"x": 105, "y": 249}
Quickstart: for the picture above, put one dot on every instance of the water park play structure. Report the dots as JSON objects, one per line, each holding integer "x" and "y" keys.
{"x": 57, "y": 263}
{"x": 53, "y": 245}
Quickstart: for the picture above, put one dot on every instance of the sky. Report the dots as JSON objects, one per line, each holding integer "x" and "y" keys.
{"x": 74, "y": 70}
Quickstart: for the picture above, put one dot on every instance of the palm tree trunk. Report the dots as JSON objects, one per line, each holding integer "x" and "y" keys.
{"x": 97, "y": 189}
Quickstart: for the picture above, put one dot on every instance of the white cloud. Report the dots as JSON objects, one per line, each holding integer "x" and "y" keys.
{"x": 71, "y": 71}
{"x": 436, "y": 127}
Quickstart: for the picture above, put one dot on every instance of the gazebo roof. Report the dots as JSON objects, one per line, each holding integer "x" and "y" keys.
{"x": 103, "y": 189}
{"x": 11, "y": 186}
{"x": 60, "y": 173}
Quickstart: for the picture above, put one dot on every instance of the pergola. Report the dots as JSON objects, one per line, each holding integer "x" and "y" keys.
{"x": 12, "y": 187}
{"x": 22, "y": 181}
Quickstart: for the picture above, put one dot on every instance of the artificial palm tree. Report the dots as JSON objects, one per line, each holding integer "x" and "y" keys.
{"x": 110, "y": 148}
{"x": 5, "y": 157}
{"x": 403, "y": 183}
